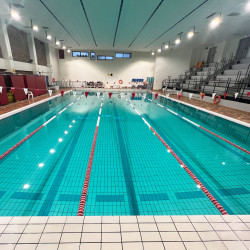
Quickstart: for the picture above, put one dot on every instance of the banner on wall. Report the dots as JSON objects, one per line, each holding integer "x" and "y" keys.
{"x": 25, "y": 91}
{"x": 98, "y": 94}
{"x": 1, "y": 90}
{"x": 50, "y": 92}
{"x": 74, "y": 93}
{"x": 235, "y": 95}
{"x": 190, "y": 95}
{"x": 213, "y": 95}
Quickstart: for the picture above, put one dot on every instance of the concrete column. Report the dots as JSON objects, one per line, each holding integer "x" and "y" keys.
{"x": 32, "y": 52}
{"x": 5, "y": 46}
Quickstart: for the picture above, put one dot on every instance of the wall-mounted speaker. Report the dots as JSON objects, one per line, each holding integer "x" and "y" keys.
{"x": 61, "y": 54}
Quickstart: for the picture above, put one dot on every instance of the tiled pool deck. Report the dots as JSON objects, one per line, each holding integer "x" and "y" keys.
{"x": 126, "y": 232}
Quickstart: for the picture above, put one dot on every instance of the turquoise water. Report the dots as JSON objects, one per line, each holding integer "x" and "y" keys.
{"x": 132, "y": 171}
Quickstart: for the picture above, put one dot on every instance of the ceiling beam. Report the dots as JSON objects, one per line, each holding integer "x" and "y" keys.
{"x": 85, "y": 13}
{"x": 58, "y": 21}
{"x": 165, "y": 32}
{"x": 118, "y": 20}
{"x": 146, "y": 23}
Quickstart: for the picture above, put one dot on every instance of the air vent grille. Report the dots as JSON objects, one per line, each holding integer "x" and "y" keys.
{"x": 234, "y": 14}
{"x": 17, "y": 5}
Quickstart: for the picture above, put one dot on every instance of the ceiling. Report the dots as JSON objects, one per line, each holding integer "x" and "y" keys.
{"x": 130, "y": 25}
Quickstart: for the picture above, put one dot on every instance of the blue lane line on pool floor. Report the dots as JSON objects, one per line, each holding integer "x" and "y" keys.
{"x": 164, "y": 137}
{"x": 215, "y": 139}
{"x": 233, "y": 191}
{"x": 132, "y": 201}
{"x": 27, "y": 196}
{"x": 47, "y": 204}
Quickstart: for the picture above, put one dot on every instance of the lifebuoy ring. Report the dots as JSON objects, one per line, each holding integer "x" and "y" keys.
{"x": 121, "y": 81}
{"x": 217, "y": 99}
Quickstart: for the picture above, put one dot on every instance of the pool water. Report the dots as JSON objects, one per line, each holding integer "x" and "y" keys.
{"x": 132, "y": 171}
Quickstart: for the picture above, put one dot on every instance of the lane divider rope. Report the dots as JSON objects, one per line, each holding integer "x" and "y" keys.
{"x": 199, "y": 126}
{"x": 89, "y": 167}
{"x": 35, "y": 131}
{"x": 190, "y": 173}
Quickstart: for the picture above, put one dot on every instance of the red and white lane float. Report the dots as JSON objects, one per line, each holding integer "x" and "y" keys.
{"x": 89, "y": 167}
{"x": 199, "y": 126}
{"x": 43, "y": 125}
{"x": 196, "y": 180}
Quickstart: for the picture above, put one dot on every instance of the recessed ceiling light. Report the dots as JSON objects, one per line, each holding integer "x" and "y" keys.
{"x": 35, "y": 27}
{"x": 26, "y": 186}
{"x": 40, "y": 165}
{"x": 15, "y": 15}
{"x": 190, "y": 34}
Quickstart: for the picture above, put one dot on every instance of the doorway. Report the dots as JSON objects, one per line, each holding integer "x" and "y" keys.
{"x": 243, "y": 48}
{"x": 211, "y": 54}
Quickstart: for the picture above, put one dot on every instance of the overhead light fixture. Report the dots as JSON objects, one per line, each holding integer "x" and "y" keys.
{"x": 35, "y": 28}
{"x": 159, "y": 50}
{"x": 64, "y": 47}
{"x": 248, "y": 6}
{"x": 68, "y": 50}
{"x": 49, "y": 37}
{"x": 177, "y": 41}
{"x": 152, "y": 53}
{"x": 15, "y": 15}
{"x": 57, "y": 43}
{"x": 166, "y": 46}
{"x": 215, "y": 22}
{"x": 190, "y": 34}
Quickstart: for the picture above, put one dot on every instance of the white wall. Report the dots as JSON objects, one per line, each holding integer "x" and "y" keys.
{"x": 172, "y": 64}
{"x": 53, "y": 59}
{"x": 141, "y": 65}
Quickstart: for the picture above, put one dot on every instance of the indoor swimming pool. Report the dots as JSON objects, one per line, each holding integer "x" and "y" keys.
{"x": 133, "y": 146}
